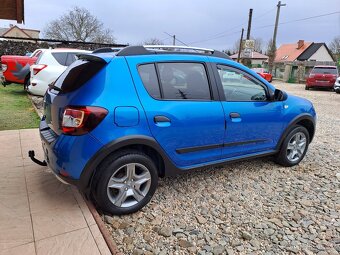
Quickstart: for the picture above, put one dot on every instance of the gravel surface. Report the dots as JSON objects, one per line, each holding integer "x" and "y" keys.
{"x": 252, "y": 207}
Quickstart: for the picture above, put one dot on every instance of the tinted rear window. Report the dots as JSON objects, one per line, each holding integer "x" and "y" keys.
{"x": 60, "y": 57}
{"x": 324, "y": 70}
{"x": 149, "y": 78}
{"x": 78, "y": 73}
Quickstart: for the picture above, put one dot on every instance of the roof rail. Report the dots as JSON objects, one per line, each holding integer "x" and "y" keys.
{"x": 169, "y": 49}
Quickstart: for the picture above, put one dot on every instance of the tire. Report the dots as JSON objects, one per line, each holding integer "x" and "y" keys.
{"x": 27, "y": 82}
{"x": 338, "y": 91}
{"x": 271, "y": 79}
{"x": 285, "y": 156}
{"x": 129, "y": 192}
{"x": 306, "y": 88}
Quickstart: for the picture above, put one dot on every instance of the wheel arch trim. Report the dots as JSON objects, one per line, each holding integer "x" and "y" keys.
{"x": 89, "y": 170}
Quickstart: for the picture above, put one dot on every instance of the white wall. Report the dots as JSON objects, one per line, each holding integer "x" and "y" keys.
{"x": 321, "y": 55}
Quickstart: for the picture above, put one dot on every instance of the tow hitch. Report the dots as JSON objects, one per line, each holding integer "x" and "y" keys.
{"x": 31, "y": 154}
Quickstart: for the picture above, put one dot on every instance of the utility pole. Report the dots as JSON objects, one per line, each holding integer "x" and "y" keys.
{"x": 272, "y": 50}
{"x": 249, "y": 23}
{"x": 277, "y": 21}
{"x": 240, "y": 47}
{"x": 174, "y": 40}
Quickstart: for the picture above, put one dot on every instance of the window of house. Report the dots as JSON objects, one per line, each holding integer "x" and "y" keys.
{"x": 238, "y": 86}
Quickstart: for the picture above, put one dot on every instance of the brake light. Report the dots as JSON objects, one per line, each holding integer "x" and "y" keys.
{"x": 3, "y": 67}
{"x": 38, "y": 68}
{"x": 79, "y": 120}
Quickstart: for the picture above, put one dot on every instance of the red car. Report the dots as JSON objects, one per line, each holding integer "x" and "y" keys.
{"x": 264, "y": 73}
{"x": 322, "y": 77}
{"x": 16, "y": 68}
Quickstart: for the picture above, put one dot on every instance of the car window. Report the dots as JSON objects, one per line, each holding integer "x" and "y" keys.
{"x": 71, "y": 57}
{"x": 184, "y": 81}
{"x": 149, "y": 77}
{"x": 60, "y": 57}
{"x": 239, "y": 86}
{"x": 324, "y": 70}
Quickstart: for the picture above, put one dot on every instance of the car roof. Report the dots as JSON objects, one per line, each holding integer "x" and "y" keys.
{"x": 68, "y": 50}
{"x": 325, "y": 67}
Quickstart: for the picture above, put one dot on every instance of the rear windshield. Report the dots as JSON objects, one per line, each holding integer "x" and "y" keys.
{"x": 324, "y": 70}
{"x": 77, "y": 74}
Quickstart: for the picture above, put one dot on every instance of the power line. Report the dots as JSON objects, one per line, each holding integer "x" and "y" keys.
{"x": 302, "y": 19}
{"x": 222, "y": 34}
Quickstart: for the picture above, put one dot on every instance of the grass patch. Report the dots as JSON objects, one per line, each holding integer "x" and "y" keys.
{"x": 16, "y": 110}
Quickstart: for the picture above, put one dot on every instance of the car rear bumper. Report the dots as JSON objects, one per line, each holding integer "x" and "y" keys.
{"x": 320, "y": 84}
{"x": 64, "y": 154}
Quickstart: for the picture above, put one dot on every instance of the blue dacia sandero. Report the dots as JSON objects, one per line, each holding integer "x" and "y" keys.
{"x": 116, "y": 121}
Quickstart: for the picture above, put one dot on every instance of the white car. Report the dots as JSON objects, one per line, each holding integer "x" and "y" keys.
{"x": 49, "y": 66}
{"x": 337, "y": 85}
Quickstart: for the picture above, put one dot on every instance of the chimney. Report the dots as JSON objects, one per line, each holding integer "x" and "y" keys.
{"x": 300, "y": 44}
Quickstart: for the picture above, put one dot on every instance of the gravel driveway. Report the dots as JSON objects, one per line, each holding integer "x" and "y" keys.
{"x": 252, "y": 207}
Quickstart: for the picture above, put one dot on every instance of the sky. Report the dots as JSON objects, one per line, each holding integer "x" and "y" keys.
{"x": 212, "y": 24}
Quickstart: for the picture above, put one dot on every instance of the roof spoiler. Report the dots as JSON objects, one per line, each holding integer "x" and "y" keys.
{"x": 103, "y": 58}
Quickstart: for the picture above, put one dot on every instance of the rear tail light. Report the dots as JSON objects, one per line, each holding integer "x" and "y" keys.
{"x": 3, "y": 67}
{"x": 38, "y": 68}
{"x": 79, "y": 120}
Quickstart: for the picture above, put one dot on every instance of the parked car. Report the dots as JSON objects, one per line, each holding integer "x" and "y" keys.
{"x": 115, "y": 122}
{"x": 337, "y": 85}
{"x": 322, "y": 77}
{"x": 264, "y": 73}
{"x": 16, "y": 69}
{"x": 49, "y": 66}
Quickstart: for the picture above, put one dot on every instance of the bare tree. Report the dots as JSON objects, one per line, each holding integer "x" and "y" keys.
{"x": 78, "y": 25}
{"x": 271, "y": 52}
{"x": 258, "y": 44}
{"x": 334, "y": 45}
{"x": 152, "y": 41}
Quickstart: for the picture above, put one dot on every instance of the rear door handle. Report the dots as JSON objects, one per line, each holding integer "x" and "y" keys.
{"x": 162, "y": 121}
{"x": 234, "y": 115}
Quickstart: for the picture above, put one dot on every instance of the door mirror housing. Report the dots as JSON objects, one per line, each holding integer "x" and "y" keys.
{"x": 279, "y": 95}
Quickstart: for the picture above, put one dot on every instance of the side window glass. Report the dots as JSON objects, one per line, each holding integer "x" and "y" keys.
{"x": 71, "y": 57}
{"x": 60, "y": 57}
{"x": 238, "y": 86}
{"x": 184, "y": 81}
{"x": 149, "y": 78}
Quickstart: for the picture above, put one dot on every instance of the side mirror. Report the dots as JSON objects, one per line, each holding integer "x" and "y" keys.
{"x": 279, "y": 95}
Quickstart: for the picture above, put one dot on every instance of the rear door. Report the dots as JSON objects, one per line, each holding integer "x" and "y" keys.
{"x": 181, "y": 107}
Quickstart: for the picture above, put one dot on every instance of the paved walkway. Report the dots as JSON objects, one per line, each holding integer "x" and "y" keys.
{"x": 38, "y": 214}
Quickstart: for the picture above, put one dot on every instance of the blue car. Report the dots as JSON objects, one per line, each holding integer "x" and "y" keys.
{"x": 116, "y": 121}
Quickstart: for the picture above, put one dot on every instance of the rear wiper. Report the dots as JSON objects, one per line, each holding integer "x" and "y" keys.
{"x": 52, "y": 86}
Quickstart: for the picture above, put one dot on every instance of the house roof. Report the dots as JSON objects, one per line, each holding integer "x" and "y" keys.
{"x": 311, "y": 50}
{"x": 4, "y": 31}
{"x": 255, "y": 55}
{"x": 290, "y": 52}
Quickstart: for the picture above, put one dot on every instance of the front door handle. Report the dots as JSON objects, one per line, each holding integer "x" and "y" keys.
{"x": 158, "y": 119}
{"x": 234, "y": 115}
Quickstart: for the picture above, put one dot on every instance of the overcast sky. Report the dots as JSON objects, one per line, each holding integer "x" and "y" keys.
{"x": 205, "y": 23}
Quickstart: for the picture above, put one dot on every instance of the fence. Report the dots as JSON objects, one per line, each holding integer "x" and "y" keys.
{"x": 296, "y": 71}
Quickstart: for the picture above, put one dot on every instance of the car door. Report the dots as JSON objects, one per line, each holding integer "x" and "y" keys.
{"x": 182, "y": 113}
{"x": 253, "y": 123}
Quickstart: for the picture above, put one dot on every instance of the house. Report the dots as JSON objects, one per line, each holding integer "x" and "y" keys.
{"x": 303, "y": 51}
{"x": 15, "y": 31}
{"x": 294, "y": 61}
{"x": 256, "y": 58}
